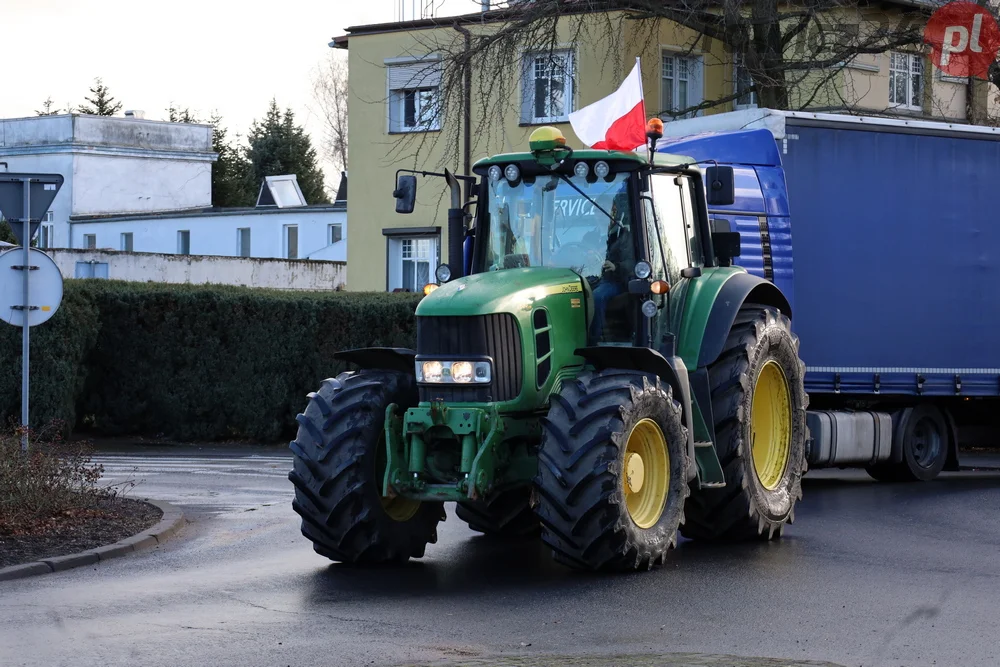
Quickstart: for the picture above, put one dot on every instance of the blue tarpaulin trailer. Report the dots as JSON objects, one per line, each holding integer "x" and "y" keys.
{"x": 884, "y": 235}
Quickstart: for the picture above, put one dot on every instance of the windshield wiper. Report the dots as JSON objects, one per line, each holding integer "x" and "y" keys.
{"x": 586, "y": 196}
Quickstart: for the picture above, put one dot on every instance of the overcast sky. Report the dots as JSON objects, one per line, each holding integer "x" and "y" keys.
{"x": 226, "y": 55}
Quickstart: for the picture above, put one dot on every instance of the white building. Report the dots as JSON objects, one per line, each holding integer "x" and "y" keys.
{"x": 132, "y": 184}
{"x": 307, "y": 232}
{"x": 110, "y": 165}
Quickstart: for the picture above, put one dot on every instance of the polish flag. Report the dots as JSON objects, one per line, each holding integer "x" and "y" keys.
{"x": 616, "y": 122}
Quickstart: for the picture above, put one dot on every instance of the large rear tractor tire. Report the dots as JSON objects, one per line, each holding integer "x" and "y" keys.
{"x": 759, "y": 405}
{"x": 338, "y": 468}
{"x": 923, "y": 435}
{"x": 504, "y": 513}
{"x": 612, "y": 469}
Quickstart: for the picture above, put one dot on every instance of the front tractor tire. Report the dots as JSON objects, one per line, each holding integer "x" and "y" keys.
{"x": 759, "y": 405}
{"x": 612, "y": 467}
{"x": 339, "y": 463}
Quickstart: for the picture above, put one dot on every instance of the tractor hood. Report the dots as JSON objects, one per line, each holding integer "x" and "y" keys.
{"x": 507, "y": 291}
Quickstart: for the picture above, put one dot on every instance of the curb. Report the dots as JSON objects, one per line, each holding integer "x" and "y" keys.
{"x": 159, "y": 533}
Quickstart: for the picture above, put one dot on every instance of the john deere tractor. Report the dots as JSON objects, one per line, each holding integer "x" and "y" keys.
{"x": 589, "y": 366}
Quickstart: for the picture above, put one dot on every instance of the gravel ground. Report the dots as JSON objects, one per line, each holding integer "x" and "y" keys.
{"x": 110, "y": 521}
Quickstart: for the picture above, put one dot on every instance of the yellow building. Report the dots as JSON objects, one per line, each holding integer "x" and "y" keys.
{"x": 399, "y": 118}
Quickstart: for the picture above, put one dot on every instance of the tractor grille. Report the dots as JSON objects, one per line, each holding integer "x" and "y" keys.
{"x": 496, "y": 336}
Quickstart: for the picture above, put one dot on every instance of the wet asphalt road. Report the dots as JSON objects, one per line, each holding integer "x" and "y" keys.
{"x": 869, "y": 574}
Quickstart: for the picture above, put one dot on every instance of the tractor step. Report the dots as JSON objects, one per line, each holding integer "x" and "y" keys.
{"x": 709, "y": 471}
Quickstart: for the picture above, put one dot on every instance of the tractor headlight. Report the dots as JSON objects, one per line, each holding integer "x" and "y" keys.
{"x": 512, "y": 173}
{"x": 443, "y": 273}
{"x": 601, "y": 169}
{"x": 454, "y": 372}
{"x": 430, "y": 371}
{"x": 495, "y": 172}
{"x": 461, "y": 371}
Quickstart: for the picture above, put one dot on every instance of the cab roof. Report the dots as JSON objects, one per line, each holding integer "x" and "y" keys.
{"x": 659, "y": 159}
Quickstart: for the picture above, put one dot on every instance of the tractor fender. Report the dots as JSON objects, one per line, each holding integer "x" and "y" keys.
{"x": 669, "y": 369}
{"x": 397, "y": 359}
{"x": 741, "y": 288}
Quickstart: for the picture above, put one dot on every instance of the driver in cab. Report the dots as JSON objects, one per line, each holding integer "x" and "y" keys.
{"x": 618, "y": 264}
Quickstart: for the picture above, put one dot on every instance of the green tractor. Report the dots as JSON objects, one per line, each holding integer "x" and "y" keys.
{"x": 589, "y": 366}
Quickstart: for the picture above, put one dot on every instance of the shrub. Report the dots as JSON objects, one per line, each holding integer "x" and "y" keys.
{"x": 193, "y": 362}
{"x": 52, "y": 478}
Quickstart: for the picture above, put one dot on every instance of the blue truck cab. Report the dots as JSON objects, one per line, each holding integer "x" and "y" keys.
{"x": 882, "y": 233}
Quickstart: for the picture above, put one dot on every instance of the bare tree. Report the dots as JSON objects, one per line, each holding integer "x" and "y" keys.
{"x": 330, "y": 96}
{"x": 790, "y": 51}
{"x": 47, "y": 108}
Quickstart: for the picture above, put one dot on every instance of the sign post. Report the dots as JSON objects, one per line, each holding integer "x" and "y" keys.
{"x": 36, "y": 192}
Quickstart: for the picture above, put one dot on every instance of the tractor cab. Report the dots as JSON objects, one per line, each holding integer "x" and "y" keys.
{"x": 630, "y": 228}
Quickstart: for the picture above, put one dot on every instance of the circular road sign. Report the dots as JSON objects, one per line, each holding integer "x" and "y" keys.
{"x": 45, "y": 287}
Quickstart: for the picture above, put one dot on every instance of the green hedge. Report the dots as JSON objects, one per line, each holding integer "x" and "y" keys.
{"x": 192, "y": 362}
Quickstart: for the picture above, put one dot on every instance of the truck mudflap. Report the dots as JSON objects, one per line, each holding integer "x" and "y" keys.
{"x": 841, "y": 438}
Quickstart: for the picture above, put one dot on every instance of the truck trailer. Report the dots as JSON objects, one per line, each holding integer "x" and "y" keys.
{"x": 883, "y": 235}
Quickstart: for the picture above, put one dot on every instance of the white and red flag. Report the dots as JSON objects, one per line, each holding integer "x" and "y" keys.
{"x": 616, "y": 122}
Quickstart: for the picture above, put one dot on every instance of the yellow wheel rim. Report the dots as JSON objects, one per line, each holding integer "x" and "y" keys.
{"x": 646, "y": 473}
{"x": 397, "y": 508}
{"x": 771, "y": 425}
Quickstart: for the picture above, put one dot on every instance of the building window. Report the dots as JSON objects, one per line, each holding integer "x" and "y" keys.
{"x": 91, "y": 270}
{"x": 414, "y": 100}
{"x": 127, "y": 242}
{"x": 46, "y": 235}
{"x": 90, "y": 241}
{"x": 243, "y": 241}
{"x": 291, "y": 241}
{"x": 742, "y": 82}
{"x": 416, "y": 255}
{"x": 336, "y": 233}
{"x": 680, "y": 84}
{"x": 184, "y": 242}
{"x": 547, "y": 87}
{"x": 906, "y": 73}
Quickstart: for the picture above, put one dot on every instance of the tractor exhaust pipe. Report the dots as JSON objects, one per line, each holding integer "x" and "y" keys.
{"x": 456, "y": 227}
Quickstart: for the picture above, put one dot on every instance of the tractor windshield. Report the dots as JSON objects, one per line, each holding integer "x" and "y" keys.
{"x": 545, "y": 221}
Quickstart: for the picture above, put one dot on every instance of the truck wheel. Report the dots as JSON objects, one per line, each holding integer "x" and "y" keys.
{"x": 759, "y": 405}
{"x": 339, "y": 463}
{"x": 923, "y": 436}
{"x": 506, "y": 513}
{"x": 612, "y": 469}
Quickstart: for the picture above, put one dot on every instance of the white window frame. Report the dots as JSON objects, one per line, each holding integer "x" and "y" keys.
{"x": 239, "y": 242}
{"x": 330, "y": 228}
{"x": 694, "y": 78}
{"x": 90, "y": 241}
{"x": 46, "y": 235}
{"x": 127, "y": 239}
{"x": 420, "y": 77}
{"x": 914, "y": 66}
{"x": 286, "y": 249}
{"x": 738, "y": 69}
{"x": 180, "y": 241}
{"x": 531, "y": 60}
{"x": 395, "y": 255}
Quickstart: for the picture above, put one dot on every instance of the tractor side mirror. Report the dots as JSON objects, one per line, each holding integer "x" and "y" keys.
{"x": 405, "y": 193}
{"x": 720, "y": 186}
